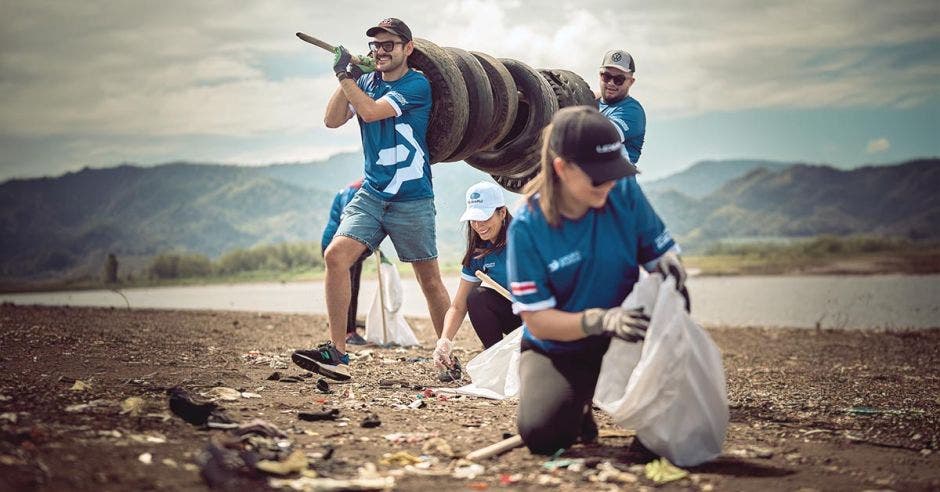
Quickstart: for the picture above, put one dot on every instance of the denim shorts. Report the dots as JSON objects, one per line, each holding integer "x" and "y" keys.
{"x": 410, "y": 225}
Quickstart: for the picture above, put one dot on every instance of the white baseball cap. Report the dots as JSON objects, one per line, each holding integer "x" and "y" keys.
{"x": 482, "y": 201}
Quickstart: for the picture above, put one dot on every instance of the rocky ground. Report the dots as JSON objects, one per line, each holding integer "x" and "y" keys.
{"x": 84, "y": 406}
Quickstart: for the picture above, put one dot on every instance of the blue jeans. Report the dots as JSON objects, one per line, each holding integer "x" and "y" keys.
{"x": 410, "y": 225}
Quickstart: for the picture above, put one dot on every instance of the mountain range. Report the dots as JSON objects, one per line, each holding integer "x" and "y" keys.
{"x": 68, "y": 224}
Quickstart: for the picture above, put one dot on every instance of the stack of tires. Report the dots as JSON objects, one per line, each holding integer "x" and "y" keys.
{"x": 490, "y": 112}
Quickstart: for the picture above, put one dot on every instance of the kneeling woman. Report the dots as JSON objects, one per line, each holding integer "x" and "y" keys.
{"x": 490, "y": 313}
{"x": 574, "y": 253}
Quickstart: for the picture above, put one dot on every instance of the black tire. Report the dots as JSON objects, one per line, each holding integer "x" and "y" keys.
{"x": 449, "y": 106}
{"x": 516, "y": 183}
{"x": 480, "y": 104}
{"x": 580, "y": 90}
{"x": 569, "y": 88}
{"x": 505, "y": 99}
{"x": 535, "y": 111}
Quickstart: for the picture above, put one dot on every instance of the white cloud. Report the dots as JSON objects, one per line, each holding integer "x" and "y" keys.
{"x": 877, "y": 145}
{"x": 206, "y": 68}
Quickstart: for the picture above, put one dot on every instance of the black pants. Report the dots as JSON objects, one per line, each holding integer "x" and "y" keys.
{"x": 355, "y": 276}
{"x": 491, "y": 315}
{"x": 555, "y": 396}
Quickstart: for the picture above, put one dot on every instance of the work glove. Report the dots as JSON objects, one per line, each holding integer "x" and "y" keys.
{"x": 365, "y": 64}
{"x": 627, "y": 324}
{"x": 341, "y": 59}
{"x": 670, "y": 264}
{"x": 441, "y": 356}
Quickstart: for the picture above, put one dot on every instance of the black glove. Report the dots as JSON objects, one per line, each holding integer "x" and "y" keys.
{"x": 354, "y": 71}
{"x": 341, "y": 59}
{"x": 627, "y": 324}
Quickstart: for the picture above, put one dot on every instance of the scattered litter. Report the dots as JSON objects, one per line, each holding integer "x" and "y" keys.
{"x": 331, "y": 414}
{"x": 662, "y": 471}
{"x": 248, "y": 394}
{"x": 557, "y": 464}
{"x": 439, "y": 446}
{"x": 363, "y": 482}
{"x": 170, "y": 462}
{"x": 468, "y": 470}
{"x": 80, "y": 386}
{"x": 478, "y": 485}
{"x": 147, "y": 438}
{"x": 291, "y": 379}
{"x": 506, "y": 479}
{"x": 132, "y": 406}
{"x": 410, "y": 437}
{"x": 9, "y": 417}
{"x": 275, "y": 361}
{"x": 453, "y": 373}
{"x": 371, "y": 420}
{"x": 145, "y": 458}
{"x": 610, "y": 474}
{"x": 419, "y": 403}
{"x": 323, "y": 386}
{"x": 196, "y": 412}
{"x": 222, "y": 393}
{"x": 400, "y": 458}
{"x": 863, "y": 410}
{"x": 296, "y": 462}
{"x": 275, "y": 376}
{"x": 81, "y": 407}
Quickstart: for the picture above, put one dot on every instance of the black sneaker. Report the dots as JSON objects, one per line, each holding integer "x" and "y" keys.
{"x": 325, "y": 360}
{"x": 355, "y": 339}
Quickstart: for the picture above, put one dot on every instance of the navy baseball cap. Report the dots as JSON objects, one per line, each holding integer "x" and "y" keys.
{"x": 582, "y": 135}
{"x": 392, "y": 26}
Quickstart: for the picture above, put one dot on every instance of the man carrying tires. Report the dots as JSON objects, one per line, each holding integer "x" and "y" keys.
{"x": 393, "y": 107}
{"x": 626, "y": 113}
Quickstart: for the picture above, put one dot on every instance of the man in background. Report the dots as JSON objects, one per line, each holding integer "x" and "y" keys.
{"x": 626, "y": 113}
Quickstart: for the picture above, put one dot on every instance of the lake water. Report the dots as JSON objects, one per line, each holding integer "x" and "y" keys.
{"x": 880, "y": 301}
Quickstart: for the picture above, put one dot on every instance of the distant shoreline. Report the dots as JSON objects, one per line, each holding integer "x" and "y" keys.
{"x": 905, "y": 263}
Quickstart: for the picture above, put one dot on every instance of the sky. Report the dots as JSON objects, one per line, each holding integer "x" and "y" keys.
{"x": 100, "y": 83}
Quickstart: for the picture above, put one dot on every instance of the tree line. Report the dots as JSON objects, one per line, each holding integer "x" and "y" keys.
{"x": 284, "y": 257}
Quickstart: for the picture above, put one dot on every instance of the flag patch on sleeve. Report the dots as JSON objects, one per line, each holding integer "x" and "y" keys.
{"x": 522, "y": 288}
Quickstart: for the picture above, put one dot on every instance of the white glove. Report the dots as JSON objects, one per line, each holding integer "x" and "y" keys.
{"x": 670, "y": 264}
{"x": 442, "y": 353}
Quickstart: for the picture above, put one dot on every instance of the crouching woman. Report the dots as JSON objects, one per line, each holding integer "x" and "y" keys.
{"x": 574, "y": 253}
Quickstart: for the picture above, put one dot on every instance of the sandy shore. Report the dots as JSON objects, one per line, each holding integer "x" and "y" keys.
{"x": 828, "y": 410}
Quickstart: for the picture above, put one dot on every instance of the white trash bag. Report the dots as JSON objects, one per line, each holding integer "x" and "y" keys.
{"x": 671, "y": 387}
{"x": 495, "y": 371}
{"x": 399, "y": 331}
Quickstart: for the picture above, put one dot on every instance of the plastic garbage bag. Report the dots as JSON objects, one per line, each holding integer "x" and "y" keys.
{"x": 495, "y": 371}
{"x": 671, "y": 387}
{"x": 399, "y": 331}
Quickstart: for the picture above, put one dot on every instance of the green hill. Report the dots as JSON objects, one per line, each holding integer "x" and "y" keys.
{"x": 68, "y": 224}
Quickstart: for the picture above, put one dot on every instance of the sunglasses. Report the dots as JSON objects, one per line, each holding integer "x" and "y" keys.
{"x": 387, "y": 46}
{"x": 616, "y": 79}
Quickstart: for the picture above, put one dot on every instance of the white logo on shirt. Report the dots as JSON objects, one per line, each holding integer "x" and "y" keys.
{"x": 567, "y": 260}
{"x": 398, "y": 154}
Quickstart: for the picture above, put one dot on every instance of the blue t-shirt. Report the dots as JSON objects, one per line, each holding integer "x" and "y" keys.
{"x": 630, "y": 119}
{"x": 492, "y": 264}
{"x": 396, "y": 149}
{"x": 591, "y": 262}
{"x": 342, "y": 198}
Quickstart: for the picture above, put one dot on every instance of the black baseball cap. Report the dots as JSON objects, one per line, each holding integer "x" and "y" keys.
{"x": 584, "y": 136}
{"x": 392, "y": 26}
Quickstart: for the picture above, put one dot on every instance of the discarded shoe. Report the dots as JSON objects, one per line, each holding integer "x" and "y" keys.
{"x": 356, "y": 339}
{"x": 371, "y": 420}
{"x": 325, "y": 360}
{"x": 323, "y": 386}
{"x": 331, "y": 414}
